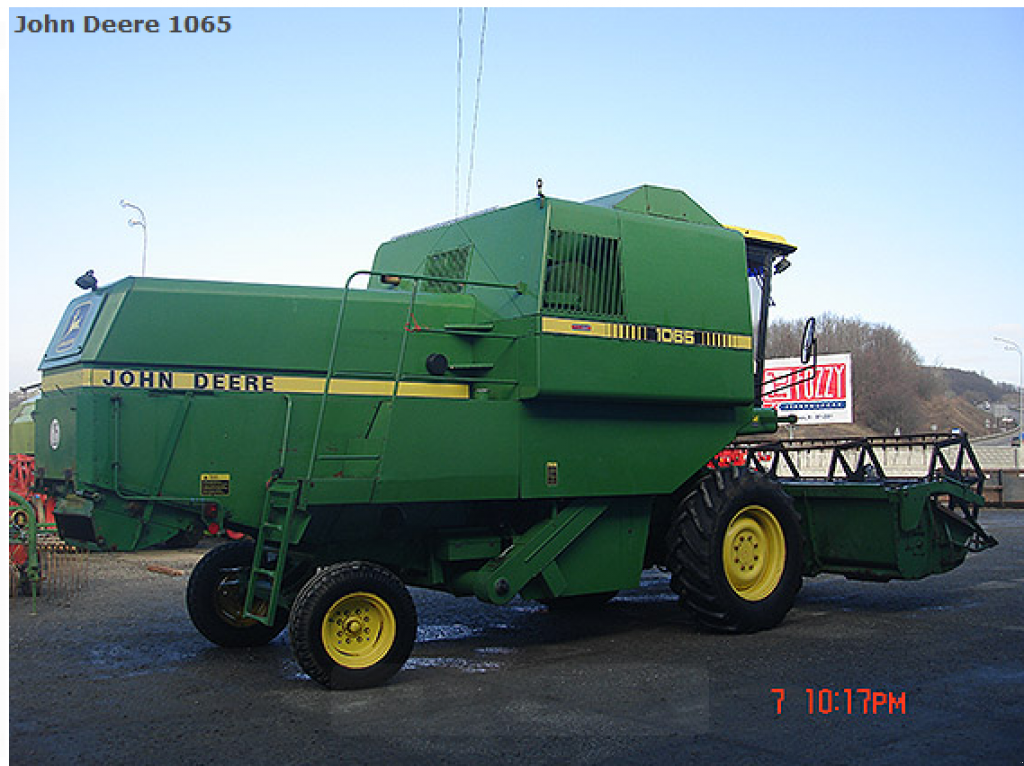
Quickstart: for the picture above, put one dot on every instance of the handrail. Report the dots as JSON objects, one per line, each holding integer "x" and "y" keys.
{"x": 520, "y": 288}
{"x": 285, "y": 435}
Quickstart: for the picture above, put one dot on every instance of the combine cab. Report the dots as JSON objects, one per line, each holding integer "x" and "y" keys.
{"x": 519, "y": 403}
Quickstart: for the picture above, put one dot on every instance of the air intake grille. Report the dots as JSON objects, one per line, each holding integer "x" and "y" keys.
{"x": 583, "y": 275}
{"x": 451, "y": 264}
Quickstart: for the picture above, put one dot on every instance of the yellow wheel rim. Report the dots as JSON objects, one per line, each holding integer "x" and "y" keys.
{"x": 359, "y": 630}
{"x": 754, "y": 553}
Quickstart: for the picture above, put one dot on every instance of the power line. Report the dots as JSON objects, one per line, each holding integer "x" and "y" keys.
{"x": 458, "y": 116}
{"x": 476, "y": 109}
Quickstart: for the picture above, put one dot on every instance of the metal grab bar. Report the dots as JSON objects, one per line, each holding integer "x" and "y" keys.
{"x": 519, "y": 287}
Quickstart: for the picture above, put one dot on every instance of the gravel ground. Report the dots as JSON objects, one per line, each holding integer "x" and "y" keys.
{"x": 117, "y": 674}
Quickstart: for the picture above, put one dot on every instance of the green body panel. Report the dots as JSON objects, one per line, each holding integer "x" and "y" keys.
{"x": 440, "y": 450}
{"x": 217, "y": 326}
{"x": 504, "y": 246}
{"x": 517, "y": 402}
{"x": 649, "y": 441}
{"x": 661, "y": 202}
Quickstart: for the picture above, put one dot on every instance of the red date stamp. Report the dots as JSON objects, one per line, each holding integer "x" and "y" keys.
{"x": 845, "y": 701}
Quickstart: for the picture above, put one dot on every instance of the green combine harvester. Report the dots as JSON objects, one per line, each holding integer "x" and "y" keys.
{"x": 524, "y": 402}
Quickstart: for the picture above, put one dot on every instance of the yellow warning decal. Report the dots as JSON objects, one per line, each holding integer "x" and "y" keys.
{"x": 646, "y": 333}
{"x": 245, "y": 383}
{"x": 214, "y": 484}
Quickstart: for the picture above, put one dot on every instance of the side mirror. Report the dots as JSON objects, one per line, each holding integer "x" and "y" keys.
{"x": 793, "y": 378}
{"x": 809, "y": 344}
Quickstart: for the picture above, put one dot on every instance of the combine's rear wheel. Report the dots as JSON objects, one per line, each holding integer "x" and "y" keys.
{"x": 353, "y": 625}
{"x": 735, "y": 551}
{"x": 216, "y": 597}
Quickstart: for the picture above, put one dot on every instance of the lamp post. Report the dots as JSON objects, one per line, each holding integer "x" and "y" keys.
{"x": 1011, "y": 346}
{"x": 145, "y": 230}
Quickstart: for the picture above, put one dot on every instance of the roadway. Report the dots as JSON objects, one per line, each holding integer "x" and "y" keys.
{"x": 116, "y": 674}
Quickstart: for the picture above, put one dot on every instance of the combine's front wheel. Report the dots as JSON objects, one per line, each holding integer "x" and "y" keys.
{"x": 735, "y": 551}
{"x": 353, "y": 625}
{"x": 216, "y": 598}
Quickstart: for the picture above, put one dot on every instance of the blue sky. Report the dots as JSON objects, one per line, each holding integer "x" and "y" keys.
{"x": 887, "y": 144}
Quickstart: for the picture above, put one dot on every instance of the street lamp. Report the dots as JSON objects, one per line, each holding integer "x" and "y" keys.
{"x": 145, "y": 231}
{"x": 1011, "y": 346}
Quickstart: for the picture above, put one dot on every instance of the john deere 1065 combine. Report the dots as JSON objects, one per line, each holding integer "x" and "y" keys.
{"x": 520, "y": 403}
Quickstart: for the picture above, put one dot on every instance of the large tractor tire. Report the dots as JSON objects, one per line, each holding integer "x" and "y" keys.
{"x": 216, "y": 598}
{"x": 352, "y": 626}
{"x": 735, "y": 552}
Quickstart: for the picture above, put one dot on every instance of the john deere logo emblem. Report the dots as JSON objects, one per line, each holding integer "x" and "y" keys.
{"x": 54, "y": 433}
{"x": 74, "y": 327}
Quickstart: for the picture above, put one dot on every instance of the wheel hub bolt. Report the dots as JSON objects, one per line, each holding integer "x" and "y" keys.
{"x": 354, "y": 626}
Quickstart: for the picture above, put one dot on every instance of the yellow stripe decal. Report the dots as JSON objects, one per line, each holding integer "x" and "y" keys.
{"x": 245, "y": 383}
{"x": 61, "y": 380}
{"x": 645, "y": 333}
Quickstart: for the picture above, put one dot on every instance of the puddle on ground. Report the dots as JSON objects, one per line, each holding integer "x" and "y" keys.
{"x": 996, "y": 585}
{"x": 494, "y": 650}
{"x": 645, "y": 598}
{"x": 457, "y": 663}
{"x": 454, "y": 632}
{"x": 120, "y": 661}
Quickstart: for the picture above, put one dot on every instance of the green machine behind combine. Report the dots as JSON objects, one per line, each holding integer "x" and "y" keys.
{"x": 523, "y": 403}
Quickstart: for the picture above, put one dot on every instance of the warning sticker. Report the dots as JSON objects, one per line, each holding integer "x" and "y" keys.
{"x": 214, "y": 484}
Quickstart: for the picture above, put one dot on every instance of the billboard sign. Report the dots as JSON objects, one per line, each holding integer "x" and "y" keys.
{"x": 827, "y": 398}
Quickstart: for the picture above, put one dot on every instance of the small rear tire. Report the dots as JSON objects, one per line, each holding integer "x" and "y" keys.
{"x": 216, "y": 598}
{"x": 352, "y": 626}
{"x": 735, "y": 551}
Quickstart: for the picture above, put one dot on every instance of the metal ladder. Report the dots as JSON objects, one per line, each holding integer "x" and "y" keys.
{"x": 279, "y": 506}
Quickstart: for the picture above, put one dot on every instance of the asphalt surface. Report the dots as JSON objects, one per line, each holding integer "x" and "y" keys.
{"x": 116, "y": 674}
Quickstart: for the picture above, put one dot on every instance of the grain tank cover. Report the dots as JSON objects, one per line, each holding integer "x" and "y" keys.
{"x": 657, "y": 201}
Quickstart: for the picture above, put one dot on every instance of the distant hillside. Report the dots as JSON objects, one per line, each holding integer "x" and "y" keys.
{"x": 945, "y": 411}
{"x": 972, "y": 386}
{"x": 949, "y": 411}
{"x": 891, "y": 388}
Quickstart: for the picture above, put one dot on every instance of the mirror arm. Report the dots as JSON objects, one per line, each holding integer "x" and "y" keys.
{"x": 762, "y": 333}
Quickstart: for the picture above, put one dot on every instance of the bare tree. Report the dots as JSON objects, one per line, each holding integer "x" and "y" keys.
{"x": 889, "y": 383}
